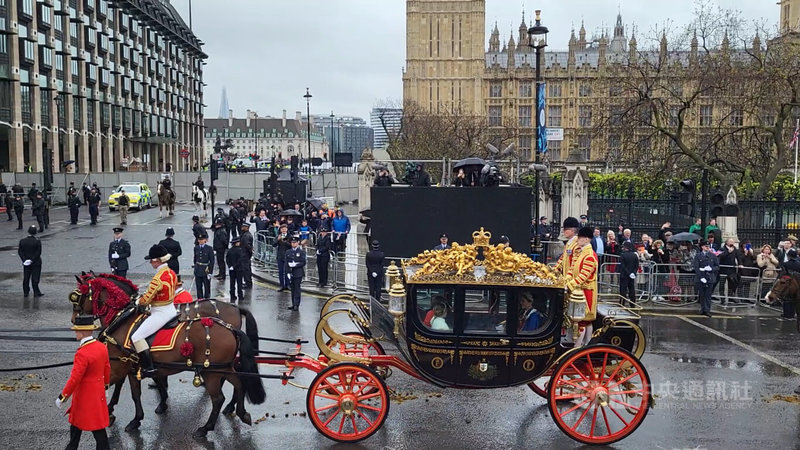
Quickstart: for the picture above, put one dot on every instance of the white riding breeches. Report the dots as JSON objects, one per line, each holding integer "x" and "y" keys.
{"x": 159, "y": 315}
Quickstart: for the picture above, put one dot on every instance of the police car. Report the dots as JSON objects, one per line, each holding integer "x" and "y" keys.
{"x": 139, "y": 196}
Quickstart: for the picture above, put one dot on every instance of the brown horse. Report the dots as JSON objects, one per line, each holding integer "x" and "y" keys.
{"x": 786, "y": 289}
{"x": 166, "y": 199}
{"x": 112, "y": 299}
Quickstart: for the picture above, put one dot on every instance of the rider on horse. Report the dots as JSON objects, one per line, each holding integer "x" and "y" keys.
{"x": 199, "y": 183}
{"x": 160, "y": 295}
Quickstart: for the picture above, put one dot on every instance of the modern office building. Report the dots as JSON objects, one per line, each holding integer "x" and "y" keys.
{"x": 382, "y": 120}
{"x": 100, "y": 84}
{"x": 267, "y": 136}
{"x": 344, "y": 134}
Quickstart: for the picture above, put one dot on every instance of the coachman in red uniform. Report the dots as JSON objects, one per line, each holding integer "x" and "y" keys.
{"x": 91, "y": 372}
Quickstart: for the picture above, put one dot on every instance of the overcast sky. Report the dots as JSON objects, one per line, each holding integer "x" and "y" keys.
{"x": 351, "y": 53}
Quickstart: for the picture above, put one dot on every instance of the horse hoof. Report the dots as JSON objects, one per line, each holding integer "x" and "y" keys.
{"x": 228, "y": 410}
{"x": 200, "y": 433}
{"x": 133, "y": 425}
{"x": 161, "y": 409}
{"x": 246, "y": 418}
{"x": 111, "y": 419}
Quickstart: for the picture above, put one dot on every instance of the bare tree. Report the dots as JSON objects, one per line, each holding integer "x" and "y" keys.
{"x": 717, "y": 95}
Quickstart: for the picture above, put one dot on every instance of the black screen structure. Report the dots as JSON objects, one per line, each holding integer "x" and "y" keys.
{"x": 409, "y": 220}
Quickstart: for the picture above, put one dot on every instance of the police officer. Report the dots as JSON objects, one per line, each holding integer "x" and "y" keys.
{"x": 324, "y": 246}
{"x": 374, "y": 260}
{"x": 282, "y": 245}
{"x": 38, "y": 208}
{"x": 123, "y": 202}
{"x": 443, "y": 244}
{"x": 197, "y": 229}
{"x": 220, "y": 246}
{"x": 94, "y": 206}
{"x": 295, "y": 263}
{"x": 32, "y": 192}
{"x": 247, "y": 244}
{"x": 203, "y": 266}
{"x": 74, "y": 204}
{"x": 86, "y": 193}
{"x": 706, "y": 269}
{"x": 174, "y": 249}
{"x": 236, "y": 267}
{"x": 19, "y": 207}
{"x": 3, "y": 192}
{"x": 71, "y": 190}
{"x": 119, "y": 250}
{"x": 30, "y": 253}
{"x": 233, "y": 220}
{"x": 9, "y": 205}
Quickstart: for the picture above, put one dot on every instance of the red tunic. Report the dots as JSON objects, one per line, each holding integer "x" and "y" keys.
{"x": 182, "y": 296}
{"x": 161, "y": 291}
{"x": 91, "y": 372}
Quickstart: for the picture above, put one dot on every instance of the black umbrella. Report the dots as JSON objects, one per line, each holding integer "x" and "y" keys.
{"x": 684, "y": 237}
{"x": 290, "y": 212}
{"x": 472, "y": 161}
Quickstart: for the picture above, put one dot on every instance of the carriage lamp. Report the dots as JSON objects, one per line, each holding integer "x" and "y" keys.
{"x": 577, "y": 305}
{"x": 397, "y": 305}
{"x": 392, "y": 274}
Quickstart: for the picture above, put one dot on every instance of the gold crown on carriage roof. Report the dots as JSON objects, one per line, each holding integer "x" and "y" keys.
{"x": 481, "y": 238}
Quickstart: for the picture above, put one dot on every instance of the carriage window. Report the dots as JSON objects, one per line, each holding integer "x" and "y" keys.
{"x": 435, "y": 308}
{"x": 534, "y": 310}
{"x": 485, "y": 310}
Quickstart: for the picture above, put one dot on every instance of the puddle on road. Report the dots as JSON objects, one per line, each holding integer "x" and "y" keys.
{"x": 782, "y": 398}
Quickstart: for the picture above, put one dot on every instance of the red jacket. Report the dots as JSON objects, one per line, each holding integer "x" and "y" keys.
{"x": 91, "y": 372}
{"x": 182, "y": 296}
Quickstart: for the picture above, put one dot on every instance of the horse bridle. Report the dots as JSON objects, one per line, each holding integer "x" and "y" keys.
{"x": 78, "y": 299}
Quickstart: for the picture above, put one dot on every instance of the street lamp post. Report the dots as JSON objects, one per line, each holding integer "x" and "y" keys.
{"x": 308, "y": 124}
{"x": 538, "y": 41}
{"x": 146, "y": 121}
{"x": 331, "y": 149}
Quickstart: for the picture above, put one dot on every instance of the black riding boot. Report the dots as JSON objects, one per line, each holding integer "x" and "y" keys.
{"x": 146, "y": 364}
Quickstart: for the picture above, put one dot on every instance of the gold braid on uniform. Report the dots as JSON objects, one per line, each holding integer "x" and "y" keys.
{"x": 152, "y": 290}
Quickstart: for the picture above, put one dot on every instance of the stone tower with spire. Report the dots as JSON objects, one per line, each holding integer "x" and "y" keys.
{"x": 618, "y": 43}
{"x": 445, "y": 54}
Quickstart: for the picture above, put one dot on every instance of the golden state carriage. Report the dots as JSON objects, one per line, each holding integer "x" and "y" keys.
{"x": 476, "y": 316}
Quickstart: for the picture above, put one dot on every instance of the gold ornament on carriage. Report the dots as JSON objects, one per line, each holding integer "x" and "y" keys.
{"x": 462, "y": 263}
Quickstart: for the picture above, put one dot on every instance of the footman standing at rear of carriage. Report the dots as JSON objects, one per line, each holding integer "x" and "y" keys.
{"x": 582, "y": 277}
{"x": 295, "y": 270}
{"x": 91, "y": 373}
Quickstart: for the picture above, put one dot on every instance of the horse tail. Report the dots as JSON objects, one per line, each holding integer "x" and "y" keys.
{"x": 251, "y": 327}
{"x": 253, "y": 385}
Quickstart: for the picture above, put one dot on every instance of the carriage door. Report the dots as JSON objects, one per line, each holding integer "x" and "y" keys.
{"x": 484, "y": 348}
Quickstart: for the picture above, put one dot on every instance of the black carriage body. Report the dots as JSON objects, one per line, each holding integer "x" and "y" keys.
{"x": 483, "y": 347}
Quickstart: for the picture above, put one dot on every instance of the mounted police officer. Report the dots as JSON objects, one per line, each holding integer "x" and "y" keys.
{"x": 203, "y": 266}
{"x": 295, "y": 264}
{"x": 74, "y": 204}
{"x": 159, "y": 296}
{"x": 119, "y": 250}
{"x": 123, "y": 202}
{"x": 174, "y": 249}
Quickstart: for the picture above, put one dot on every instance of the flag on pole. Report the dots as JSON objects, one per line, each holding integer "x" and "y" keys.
{"x": 794, "y": 137}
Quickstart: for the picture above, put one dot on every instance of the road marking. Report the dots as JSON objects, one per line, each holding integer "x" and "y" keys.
{"x": 741, "y": 344}
{"x": 694, "y": 316}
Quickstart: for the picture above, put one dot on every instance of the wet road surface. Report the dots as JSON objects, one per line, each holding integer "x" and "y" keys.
{"x": 715, "y": 380}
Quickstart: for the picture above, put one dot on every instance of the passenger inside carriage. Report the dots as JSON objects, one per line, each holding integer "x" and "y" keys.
{"x": 439, "y": 323}
{"x": 531, "y": 317}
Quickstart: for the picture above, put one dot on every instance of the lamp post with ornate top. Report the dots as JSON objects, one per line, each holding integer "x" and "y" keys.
{"x": 538, "y": 41}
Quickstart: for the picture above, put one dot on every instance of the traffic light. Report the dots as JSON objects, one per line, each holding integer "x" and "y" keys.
{"x": 214, "y": 169}
{"x": 295, "y": 162}
{"x": 719, "y": 208}
{"x": 687, "y": 198}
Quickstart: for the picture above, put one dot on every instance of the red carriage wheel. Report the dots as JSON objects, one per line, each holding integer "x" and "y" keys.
{"x": 347, "y": 402}
{"x": 539, "y": 385}
{"x": 599, "y": 394}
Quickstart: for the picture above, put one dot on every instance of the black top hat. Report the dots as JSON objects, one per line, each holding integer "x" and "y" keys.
{"x": 586, "y": 232}
{"x": 236, "y": 239}
{"x": 118, "y": 230}
{"x": 32, "y": 230}
{"x": 170, "y": 231}
{"x": 376, "y": 244}
{"x": 84, "y": 323}
{"x": 571, "y": 222}
{"x": 156, "y": 252}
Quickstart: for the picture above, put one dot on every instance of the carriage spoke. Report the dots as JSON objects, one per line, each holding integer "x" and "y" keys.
{"x": 353, "y": 420}
{"x": 570, "y": 396}
{"x": 578, "y": 371}
{"x": 571, "y": 383}
{"x": 611, "y": 386}
{"x": 332, "y": 405}
{"x": 619, "y": 417}
{"x": 370, "y": 407}
{"x": 326, "y": 386}
{"x": 605, "y": 419}
{"x": 580, "y": 419}
{"x": 341, "y": 423}
{"x": 326, "y": 396}
{"x": 614, "y": 373}
{"x": 364, "y": 418}
{"x": 585, "y": 401}
{"x": 594, "y": 420}
{"x": 627, "y": 405}
{"x": 591, "y": 367}
{"x": 330, "y": 419}
{"x": 639, "y": 391}
{"x": 363, "y": 397}
{"x": 603, "y": 370}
